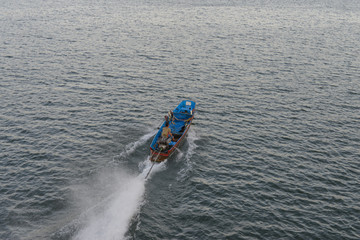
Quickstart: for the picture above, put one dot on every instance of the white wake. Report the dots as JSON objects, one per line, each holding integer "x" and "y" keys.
{"x": 112, "y": 220}
{"x": 110, "y": 217}
{"x": 112, "y": 200}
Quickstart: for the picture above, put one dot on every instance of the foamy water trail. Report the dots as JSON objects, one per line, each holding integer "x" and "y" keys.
{"x": 146, "y": 165}
{"x": 116, "y": 197}
{"x": 112, "y": 220}
{"x": 110, "y": 217}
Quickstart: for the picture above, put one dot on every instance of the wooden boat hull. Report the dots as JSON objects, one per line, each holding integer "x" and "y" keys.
{"x": 186, "y": 118}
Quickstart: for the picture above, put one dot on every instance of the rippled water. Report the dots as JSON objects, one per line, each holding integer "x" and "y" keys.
{"x": 274, "y": 150}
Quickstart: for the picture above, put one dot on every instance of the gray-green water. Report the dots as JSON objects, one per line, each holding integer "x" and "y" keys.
{"x": 274, "y": 150}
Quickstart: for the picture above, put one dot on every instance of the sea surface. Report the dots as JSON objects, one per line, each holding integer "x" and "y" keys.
{"x": 274, "y": 149}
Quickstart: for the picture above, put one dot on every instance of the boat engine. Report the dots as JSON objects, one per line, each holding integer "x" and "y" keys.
{"x": 162, "y": 147}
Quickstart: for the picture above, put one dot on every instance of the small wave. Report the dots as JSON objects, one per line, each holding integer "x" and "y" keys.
{"x": 191, "y": 138}
{"x": 131, "y": 147}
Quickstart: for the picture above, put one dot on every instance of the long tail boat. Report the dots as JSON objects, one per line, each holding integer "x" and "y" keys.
{"x": 179, "y": 122}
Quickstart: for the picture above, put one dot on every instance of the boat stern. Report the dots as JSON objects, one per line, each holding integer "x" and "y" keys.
{"x": 158, "y": 156}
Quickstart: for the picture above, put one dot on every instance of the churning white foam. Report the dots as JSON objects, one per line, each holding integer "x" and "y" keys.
{"x": 111, "y": 221}
{"x": 147, "y": 165}
{"x": 115, "y": 196}
{"x": 109, "y": 216}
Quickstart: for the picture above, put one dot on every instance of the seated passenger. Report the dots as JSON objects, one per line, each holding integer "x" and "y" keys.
{"x": 166, "y": 135}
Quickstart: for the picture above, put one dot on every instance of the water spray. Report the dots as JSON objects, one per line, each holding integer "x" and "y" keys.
{"x": 152, "y": 164}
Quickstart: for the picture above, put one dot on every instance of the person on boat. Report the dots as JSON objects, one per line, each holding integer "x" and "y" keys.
{"x": 171, "y": 116}
{"x": 166, "y": 135}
